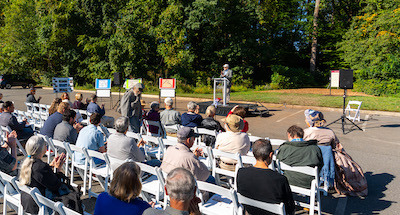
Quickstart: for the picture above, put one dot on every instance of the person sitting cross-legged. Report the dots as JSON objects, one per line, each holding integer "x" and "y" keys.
{"x": 180, "y": 186}
{"x": 91, "y": 138}
{"x": 123, "y": 196}
{"x": 123, "y": 147}
{"x": 180, "y": 155}
{"x": 263, "y": 184}
{"x": 191, "y": 118}
{"x": 93, "y": 107}
{"x": 298, "y": 152}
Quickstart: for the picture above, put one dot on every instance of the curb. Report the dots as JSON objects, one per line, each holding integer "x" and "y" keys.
{"x": 268, "y": 105}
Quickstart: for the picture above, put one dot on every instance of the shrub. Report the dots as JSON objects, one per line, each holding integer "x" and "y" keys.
{"x": 203, "y": 90}
{"x": 279, "y": 81}
{"x": 286, "y": 77}
{"x": 378, "y": 87}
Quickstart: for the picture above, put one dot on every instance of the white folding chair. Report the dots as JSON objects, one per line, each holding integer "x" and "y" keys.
{"x": 312, "y": 192}
{"x": 36, "y": 107}
{"x": 175, "y": 127}
{"x": 29, "y": 107}
{"x": 217, "y": 171}
{"x": 277, "y": 142}
{"x": 86, "y": 117}
{"x": 148, "y": 123}
{"x": 6, "y": 129}
{"x": 136, "y": 136}
{"x": 68, "y": 211}
{"x": 68, "y": 161}
{"x": 222, "y": 202}
{"x": 32, "y": 192}
{"x": 51, "y": 148}
{"x": 254, "y": 138}
{"x": 151, "y": 183}
{"x": 201, "y": 132}
{"x": 153, "y": 150}
{"x": 349, "y": 110}
{"x": 47, "y": 204}
{"x": 11, "y": 193}
{"x": 82, "y": 169}
{"x": 274, "y": 208}
{"x": 101, "y": 172}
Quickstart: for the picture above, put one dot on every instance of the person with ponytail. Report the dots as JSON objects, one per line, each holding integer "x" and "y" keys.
{"x": 36, "y": 173}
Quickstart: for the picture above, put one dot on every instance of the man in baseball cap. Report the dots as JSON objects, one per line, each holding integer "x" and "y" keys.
{"x": 180, "y": 155}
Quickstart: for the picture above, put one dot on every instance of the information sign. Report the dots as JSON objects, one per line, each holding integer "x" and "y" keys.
{"x": 103, "y": 84}
{"x": 129, "y": 83}
{"x": 61, "y": 85}
{"x": 335, "y": 78}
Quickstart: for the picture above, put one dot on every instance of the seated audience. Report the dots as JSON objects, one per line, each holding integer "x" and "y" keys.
{"x": 95, "y": 108}
{"x": 326, "y": 141}
{"x": 7, "y": 119}
{"x": 36, "y": 173}
{"x": 67, "y": 130}
{"x": 1, "y": 98}
{"x": 8, "y": 162}
{"x": 54, "y": 119}
{"x": 1, "y": 107}
{"x": 154, "y": 115}
{"x": 180, "y": 155}
{"x": 192, "y": 117}
{"x": 170, "y": 116}
{"x": 30, "y": 98}
{"x": 123, "y": 196}
{"x": 210, "y": 123}
{"x": 240, "y": 111}
{"x": 232, "y": 141}
{"x": 297, "y": 152}
{"x": 54, "y": 105}
{"x": 180, "y": 186}
{"x": 78, "y": 104}
{"x": 263, "y": 184}
{"x": 65, "y": 98}
{"x": 123, "y": 147}
{"x": 91, "y": 138}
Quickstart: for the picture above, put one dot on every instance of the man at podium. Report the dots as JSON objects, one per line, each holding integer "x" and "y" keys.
{"x": 227, "y": 73}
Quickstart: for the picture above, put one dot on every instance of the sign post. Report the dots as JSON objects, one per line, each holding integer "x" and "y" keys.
{"x": 167, "y": 88}
{"x": 103, "y": 89}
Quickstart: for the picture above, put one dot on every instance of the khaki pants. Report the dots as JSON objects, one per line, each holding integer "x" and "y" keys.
{"x": 226, "y": 166}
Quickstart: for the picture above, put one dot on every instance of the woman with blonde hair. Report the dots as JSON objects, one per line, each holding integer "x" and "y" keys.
{"x": 54, "y": 105}
{"x": 78, "y": 104}
{"x": 122, "y": 197}
{"x": 210, "y": 123}
{"x": 36, "y": 173}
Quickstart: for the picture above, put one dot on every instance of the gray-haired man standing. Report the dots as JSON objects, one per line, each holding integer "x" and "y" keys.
{"x": 227, "y": 73}
{"x": 131, "y": 106}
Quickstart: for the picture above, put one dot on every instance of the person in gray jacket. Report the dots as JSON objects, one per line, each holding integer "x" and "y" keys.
{"x": 131, "y": 106}
{"x": 123, "y": 147}
{"x": 67, "y": 130}
{"x": 170, "y": 116}
{"x": 227, "y": 73}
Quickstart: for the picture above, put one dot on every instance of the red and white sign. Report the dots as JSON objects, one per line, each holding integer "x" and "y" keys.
{"x": 167, "y": 83}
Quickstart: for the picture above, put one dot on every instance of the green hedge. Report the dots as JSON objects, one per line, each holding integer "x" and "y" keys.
{"x": 378, "y": 87}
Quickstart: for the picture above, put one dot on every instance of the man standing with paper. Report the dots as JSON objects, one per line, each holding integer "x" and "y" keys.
{"x": 131, "y": 106}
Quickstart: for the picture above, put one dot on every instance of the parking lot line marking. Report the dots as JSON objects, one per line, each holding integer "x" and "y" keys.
{"x": 289, "y": 116}
{"x": 364, "y": 125}
{"x": 341, "y": 206}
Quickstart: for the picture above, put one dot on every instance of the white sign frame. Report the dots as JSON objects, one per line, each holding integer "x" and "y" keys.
{"x": 167, "y": 93}
{"x": 129, "y": 83}
{"x": 103, "y": 93}
{"x": 335, "y": 74}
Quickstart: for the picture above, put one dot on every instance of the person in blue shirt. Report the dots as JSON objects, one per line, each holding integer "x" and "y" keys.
{"x": 90, "y": 138}
{"x": 54, "y": 119}
{"x": 192, "y": 117}
{"x": 122, "y": 197}
{"x": 93, "y": 107}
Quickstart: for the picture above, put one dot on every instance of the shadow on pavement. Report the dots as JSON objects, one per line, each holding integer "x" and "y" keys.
{"x": 391, "y": 126}
{"x": 373, "y": 203}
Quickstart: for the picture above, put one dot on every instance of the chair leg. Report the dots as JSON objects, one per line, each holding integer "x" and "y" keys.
{"x": 4, "y": 205}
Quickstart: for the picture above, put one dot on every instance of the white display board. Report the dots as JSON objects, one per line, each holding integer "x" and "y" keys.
{"x": 167, "y": 93}
{"x": 103, "y": 93}
{"x": 103, "y": 84}
{"x": 61, "y": 85}
{"x": 335, "y": 78}
{"x": 129, "y": 83}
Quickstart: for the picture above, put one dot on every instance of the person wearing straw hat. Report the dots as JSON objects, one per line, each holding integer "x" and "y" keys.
{"x": 232, "y": 140}
{"x": 227, "y": 73}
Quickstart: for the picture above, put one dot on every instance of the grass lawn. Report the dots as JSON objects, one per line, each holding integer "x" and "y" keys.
{"x": 369, "y": 103}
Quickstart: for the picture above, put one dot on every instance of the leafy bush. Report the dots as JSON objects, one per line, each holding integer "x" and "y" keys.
{"x": 203, "y": 90}
{"x": 279, "y": 81}
{"x": 378, "y": 87}
{"x": 284, "y": 77}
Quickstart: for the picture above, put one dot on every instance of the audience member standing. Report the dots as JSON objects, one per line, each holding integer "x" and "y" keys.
{"x": 78, "y": 104}
{"x": 7, "y": 119}
{"x": 93, "y": 107}
{"x": 91, "y": 138}
{"x": 122, "y": 198}
{"x": 261, "y": 183}
{"x": 123, "y": 147}
{"x": 67, "y": 130}
{"x": 192, "y": 118}
{"x": 297, "y": 152}
{"x": 131, "y": 106}
{"x": 180, "y": 186}
{"x": 8, "y": 162}
{"x": 232, "y": 141}
{"x": 180, "y": 155}
{"x": 30, "y": 98}
{"x": 326, "y": 141}
{"x": 170, "y": 116}
{"x": 54, "y": 119}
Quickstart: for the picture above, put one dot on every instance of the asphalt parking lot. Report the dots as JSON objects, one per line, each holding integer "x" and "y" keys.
{"x": 376, "y": 148}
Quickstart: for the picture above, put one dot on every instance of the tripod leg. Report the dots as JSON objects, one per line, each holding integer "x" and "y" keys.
{"x": 354, "y": 124}
{"x": 333, "y": 122}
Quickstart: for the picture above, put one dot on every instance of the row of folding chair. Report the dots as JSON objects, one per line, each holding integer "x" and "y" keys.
{"x": 11, "y": 190}
{"x": 3, "y": 133}
{"x": 42, "y": 109}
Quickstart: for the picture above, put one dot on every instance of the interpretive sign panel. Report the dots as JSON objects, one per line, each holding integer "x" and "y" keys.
{"x": 129, "y": 83}
{"x": 61, "y": 85}
{"x": 103, "y": 84}
{"x": 335, "y": 78}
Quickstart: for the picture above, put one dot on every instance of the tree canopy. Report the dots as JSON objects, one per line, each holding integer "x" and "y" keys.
{"x": 191, "y": 40}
